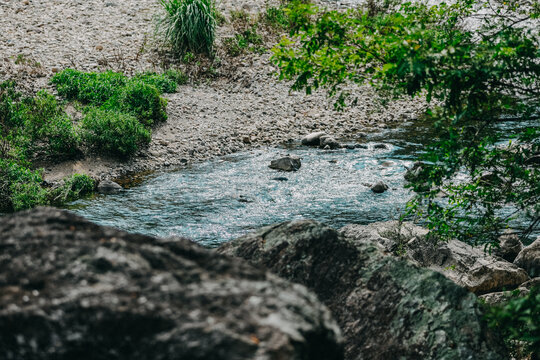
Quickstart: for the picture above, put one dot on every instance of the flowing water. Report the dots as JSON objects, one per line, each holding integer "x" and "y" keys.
{"x": 219, "y": 200}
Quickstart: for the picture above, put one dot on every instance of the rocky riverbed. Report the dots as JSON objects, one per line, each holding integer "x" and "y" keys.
{"x": 243, "y": 106}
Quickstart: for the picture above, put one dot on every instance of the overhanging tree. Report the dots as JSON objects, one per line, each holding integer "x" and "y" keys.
{"x": 476, "y": 63}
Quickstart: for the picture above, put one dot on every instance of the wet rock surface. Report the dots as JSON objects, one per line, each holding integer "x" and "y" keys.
{"x": 109, "y": 187}
{"x": 379, "y": 187}
{"x": 287, "y": 163}
{"x": 467, "y": 266}
{"x": 70, "y": 289}
{"x": 387, "y": 308}
{"x": 509, "y": 247}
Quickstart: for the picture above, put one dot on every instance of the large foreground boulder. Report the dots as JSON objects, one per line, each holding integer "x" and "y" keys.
{"x": 386, "y": 307}
{"x": 467, "y": 266}
{"x": 70, "y": 289}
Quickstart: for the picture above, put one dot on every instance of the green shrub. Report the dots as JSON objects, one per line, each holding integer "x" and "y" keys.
{"x": 143, "y": 101}
{"x": 163, "y": 82}
{"x": 519, "y": 323}
{"x": 177, "y": 76}
{"x": 46, "y": 122}
{"x": 73, "y": 188}
{"x": 248, "y": 39}
{"x": 20, "y": 187}
{"x": 114, "y": 133}
{"x": 189, "y": 25}
{"x": 90, "y": 88}
{"x": 9, "y": 106}
{"x": 277, "y": 18}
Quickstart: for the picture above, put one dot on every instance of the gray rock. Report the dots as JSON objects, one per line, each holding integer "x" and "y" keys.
{"x": 509, "y": 247}
{"x": 70, "y": 289}
{"x": 108, "y": 187}
{"x": 386, "y": 307}
{"x": 380, "y": 146}
{"x": 287, "y": 163}
{"x": 379, "y": 187}
{"x": 467, "y": 266}
{"x": 313, "y": 139}
{"x": 328, "y": 142}
{"x": 529, "y": 258}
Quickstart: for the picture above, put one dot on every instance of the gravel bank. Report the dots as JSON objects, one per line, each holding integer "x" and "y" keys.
{"x": 244, "y": 108}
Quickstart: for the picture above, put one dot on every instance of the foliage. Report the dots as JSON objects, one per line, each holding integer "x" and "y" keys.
{"x": 112, "y": 132}
{"x": 245, "y": 40}
{"x": 90, "y": 88}
{"x": 20, "y": 187}
{"x": 474, "y": 62}
{"x": 189, "y": 25}
{"x": 519, "y": 321}
{"x": 46, "y": 122}
{"x": 277, "y": 17}
{"x": 73, "y": 188}
{"x": 142, "y": 101}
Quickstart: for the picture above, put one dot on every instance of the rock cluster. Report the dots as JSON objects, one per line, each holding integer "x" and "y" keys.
{"x": 70, "y": 289}
{"x": 387, "y": 308}
{"x": 467, "y": 266}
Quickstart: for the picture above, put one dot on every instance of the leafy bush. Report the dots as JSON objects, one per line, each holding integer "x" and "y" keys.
{"x": 142, "y": 101}
{"x": 277, "y": 17}
{"x": 9, "y": 106}
{"x": 189, "y": 25}
{"x": 163, "y": 82}
{"x": 20, "y": 187}
{"x": 73, "y": 188}
{"x": 177, "y": 76}
{"x": 90, "y": 88}
{"x": 113, "y": 132}
{"x": 45, "y": 121}
{"x": 519, "y": 322}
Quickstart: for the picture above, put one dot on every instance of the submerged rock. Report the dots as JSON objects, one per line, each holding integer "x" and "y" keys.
{"x": 313, "y": 139}
{"x": 379, "y": 187}
{"x": 386, "y": 307}
{"x": 328, "y": 142}
{"x": 467, "y": 266}
{"x": 529, "y": 258}
{"x": 70, "y": 289}
{"x": 108, "y": 187}
{"x": 287, "y": 163}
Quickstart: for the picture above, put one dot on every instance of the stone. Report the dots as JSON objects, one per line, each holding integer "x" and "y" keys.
{"x": 380, "y": 146}
{"x": 313, "y": 139}
{"x": 387, "y": 308}
{"x": 70, "y": 289}
{"x": 287, "y": 163}
{"x": 467, "y": 266}
{"x": 280, "y": 178}
{"x": 529, "y": 258}
{"x": 379, "y": 187}
{"x": 509, "y": 247}
{"x": 328, "y": 142}
{"x": 108, "y": 187}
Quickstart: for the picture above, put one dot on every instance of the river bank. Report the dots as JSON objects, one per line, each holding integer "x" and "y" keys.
{"x": 241, "y": 106}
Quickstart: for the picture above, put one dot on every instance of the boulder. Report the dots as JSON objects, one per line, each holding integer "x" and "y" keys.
{"x": 287, "y": 163}
{"x": 387, "y": 308}
{"x": 509, "y": 247}
{"x": 108, "y": 187}
{"x": 379, "y": 187}
{"x": 70, "y": 289}
{"x": 467, "y": 266}
{"x": 529, "y": 258}
{"x": 313, "y": 139}
{"x": 328, "y": 142}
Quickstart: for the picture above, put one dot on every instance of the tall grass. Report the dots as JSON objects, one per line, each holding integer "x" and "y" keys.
{"x": 189, "y": 25}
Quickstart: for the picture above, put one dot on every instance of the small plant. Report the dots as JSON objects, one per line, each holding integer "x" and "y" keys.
{"x": 248, "y": 39}
{"x": 277, "y": 18}
{"x": 113, "y": 132}
{"x": 73, "y": 188}
{"x": 189, "y": 25}
{"x": 177, "y": 76}
{"x": 163, "y": 82}
{"x": 142, "y": 101}
{"x": 20, "y": 187}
